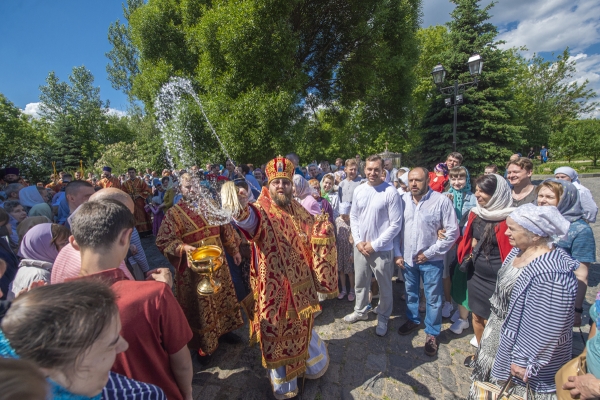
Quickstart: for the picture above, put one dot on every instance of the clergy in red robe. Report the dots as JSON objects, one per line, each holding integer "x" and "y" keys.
{"x": 138, "y": 190}
{"x": 294, "y": 259}
{"x": 108, "y": 180}
{"x": 184, "y": 229}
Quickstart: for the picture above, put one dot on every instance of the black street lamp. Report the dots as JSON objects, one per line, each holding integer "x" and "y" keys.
{"x": 439, "y": 74}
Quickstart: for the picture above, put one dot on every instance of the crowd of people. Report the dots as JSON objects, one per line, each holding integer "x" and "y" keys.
{"x": 83, "y": 315}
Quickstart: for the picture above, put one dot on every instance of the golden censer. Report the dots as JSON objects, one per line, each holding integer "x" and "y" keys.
{"x": 206, "y": 260}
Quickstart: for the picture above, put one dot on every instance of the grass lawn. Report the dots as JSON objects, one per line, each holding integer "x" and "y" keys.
{"x": 581, "y": 167}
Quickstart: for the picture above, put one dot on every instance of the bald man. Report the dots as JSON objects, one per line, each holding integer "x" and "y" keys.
{"x": 68, "y": 263}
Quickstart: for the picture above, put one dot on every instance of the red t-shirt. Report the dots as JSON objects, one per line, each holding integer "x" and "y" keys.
{"x": 155, "y": 327}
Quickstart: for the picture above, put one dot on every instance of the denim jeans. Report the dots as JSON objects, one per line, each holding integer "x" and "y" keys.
{"x": 236, "y": 277}
{"x": 431, "y": 272}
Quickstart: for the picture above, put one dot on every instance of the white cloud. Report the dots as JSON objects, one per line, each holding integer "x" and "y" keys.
{"x": 114, "y": 111}
{"x": 588, "y": 67}
{"x": 575, "y": 24}
{"x": 32, "y": 109}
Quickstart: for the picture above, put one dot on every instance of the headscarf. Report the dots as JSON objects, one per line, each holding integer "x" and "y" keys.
{"x": 170, "y": 184}
{"x": 441, "y": 167}
{"x": 302, "y": 187}
{"x": 345, "y": 207}
{"x": 30, "y": 196}
{"x": 499, "y": 206}
{"x": 570, "y": 172}
{"x": 458, "y": 195}
{"x": 41, "y": 210}
{"x": 404, "y": 177}
{"x": 541, "y": 221}
{"x": 569, "y": 205}
{"x": 29, "y": 223}
{"x": 37, "y": 244}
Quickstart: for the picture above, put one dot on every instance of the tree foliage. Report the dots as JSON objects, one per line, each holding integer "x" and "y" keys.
{"x": 488, "y": 130}
{"x": 549, "y": 97}
{"x": 262, "y": 68}
{"x": 21, "y": 145}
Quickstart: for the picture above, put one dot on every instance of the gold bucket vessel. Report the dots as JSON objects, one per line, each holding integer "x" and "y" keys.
{"x": 206, "y": 260}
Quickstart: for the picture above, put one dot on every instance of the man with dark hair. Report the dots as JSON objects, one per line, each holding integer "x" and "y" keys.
{"x": 152, "y": 322}
{"x": 70, "y": 197}
{"x": 454, "y": 159}
{"x": 108, "y": 180}
{"x": 375, "y": 220}
{"x": 420, "y": 253}
{"x": 491, "y": 169}
{"x": 138, "y": 190}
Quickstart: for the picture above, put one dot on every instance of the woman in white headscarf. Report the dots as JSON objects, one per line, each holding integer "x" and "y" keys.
{"x": 535, "y": 294}
{"x": 304, "y": 194}
{"x": 487, "y": 246}
{"x": 590, "y": 209}
{"x": 33, "y": 202}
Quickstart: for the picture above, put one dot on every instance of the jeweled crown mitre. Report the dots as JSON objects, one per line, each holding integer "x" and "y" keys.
{"x": 279, "y": 167}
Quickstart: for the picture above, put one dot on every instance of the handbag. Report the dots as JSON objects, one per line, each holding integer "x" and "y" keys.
{"x": 575, "y": 367}
{"x": 489, "y": 391}
{"x": 466, "y": 264}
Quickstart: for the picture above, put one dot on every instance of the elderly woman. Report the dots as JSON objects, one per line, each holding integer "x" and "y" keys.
{"x": 77, "y": 326}
{"x": 590, "y": 209}
{"x": 303, "y": 193}
{"x": 34, "y": 201}
{"x": 579, "y": 242}
{"x": 536, "y": 290}
{"x": 484, "y": 241}
{"x": 38, "y": 250}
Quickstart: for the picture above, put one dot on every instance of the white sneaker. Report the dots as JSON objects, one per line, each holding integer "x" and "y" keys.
{"x": 459, "y": 326}
{"x": 381, "y": 329}
{"x": 474, "y": 342}
{"x": 455, "y": 316}
{"x": 354, "y": 316}
{"x": 447, "y": 309}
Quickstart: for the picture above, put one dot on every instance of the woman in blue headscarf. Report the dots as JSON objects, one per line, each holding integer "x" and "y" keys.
{"x": 579, "y": 242}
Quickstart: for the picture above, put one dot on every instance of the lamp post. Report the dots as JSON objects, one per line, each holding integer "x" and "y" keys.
{"x": 439, "y": 74}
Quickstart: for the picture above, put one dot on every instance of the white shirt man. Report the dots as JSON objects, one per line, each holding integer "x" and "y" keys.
{"x": 375, "y": 220}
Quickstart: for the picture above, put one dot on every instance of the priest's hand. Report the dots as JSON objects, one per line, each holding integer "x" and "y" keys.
{"x": 186, "y": 247}
{"x": 237, "y": 259}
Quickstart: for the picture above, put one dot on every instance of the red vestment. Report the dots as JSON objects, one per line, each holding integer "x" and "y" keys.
{"x": 112, "y": 181}
{"x": 138, "y": 190}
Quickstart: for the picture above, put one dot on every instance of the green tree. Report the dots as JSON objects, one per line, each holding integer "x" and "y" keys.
{"x": 549, "y": 98}
{"x": 123, "y": 56}
{"x": 588, "y": 134}
{"x": 21, "y": 145}
{"x": 566, "y": 143}
{"x": 77, "y": 106}
{"x": 487, "y": 130}
{"x": 263, "y": 67}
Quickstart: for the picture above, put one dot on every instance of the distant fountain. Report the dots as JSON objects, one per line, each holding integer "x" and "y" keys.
{"x": 171, "y": 121}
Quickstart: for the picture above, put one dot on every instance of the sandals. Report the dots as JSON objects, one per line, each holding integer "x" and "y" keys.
{"x": 351, "y": 296}
{"x": 342, "y": 295}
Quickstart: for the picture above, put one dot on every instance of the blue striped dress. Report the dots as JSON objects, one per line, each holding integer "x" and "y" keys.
{"x": 538, "y": 331}
{"x": 120, "y": 387}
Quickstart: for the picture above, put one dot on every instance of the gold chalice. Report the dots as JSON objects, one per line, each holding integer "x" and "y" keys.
{"x": 206, "y": 260}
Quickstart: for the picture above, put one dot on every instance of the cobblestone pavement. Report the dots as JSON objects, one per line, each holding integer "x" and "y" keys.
{"x": 363, "y": 365}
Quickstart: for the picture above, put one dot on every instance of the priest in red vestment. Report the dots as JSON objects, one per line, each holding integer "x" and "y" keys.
{"x": 294, "y": 259}
{"x": 183, "y": 229}
{"x": 138, "y": 190}
{"x": 108, "y": 180}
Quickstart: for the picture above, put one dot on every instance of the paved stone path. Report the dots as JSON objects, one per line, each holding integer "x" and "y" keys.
{"x": 363, "y": 365}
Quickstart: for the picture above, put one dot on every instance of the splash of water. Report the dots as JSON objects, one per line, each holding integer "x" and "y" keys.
{"x": 202, "y": 195}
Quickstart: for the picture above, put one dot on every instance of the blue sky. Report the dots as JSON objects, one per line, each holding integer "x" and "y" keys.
{"x": 43, "y": 36}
